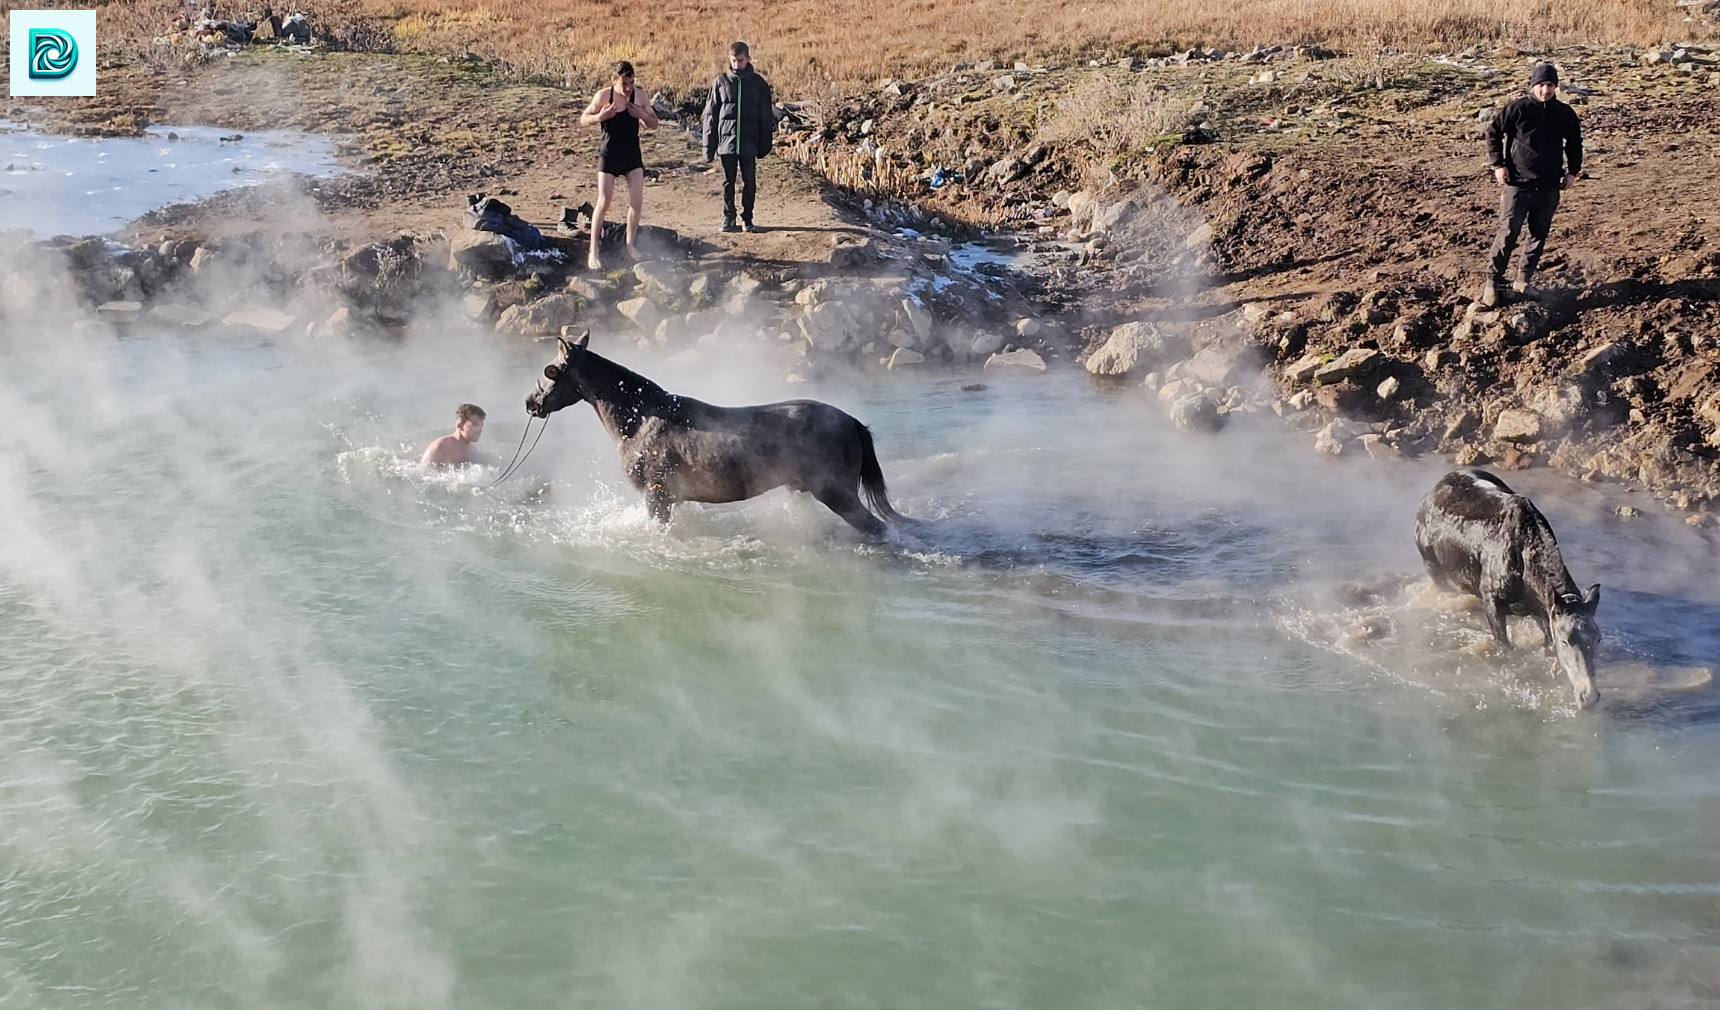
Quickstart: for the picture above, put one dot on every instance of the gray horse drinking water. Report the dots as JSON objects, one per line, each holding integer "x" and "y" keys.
{"x": 675, "y": 448}
{"x": 1477, "y": 537}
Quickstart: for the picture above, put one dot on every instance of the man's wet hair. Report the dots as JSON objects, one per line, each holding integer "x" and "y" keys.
{"x": 739, "y": 49}
{"x": 468, "y": 412}
{"x": 624, "y": 68}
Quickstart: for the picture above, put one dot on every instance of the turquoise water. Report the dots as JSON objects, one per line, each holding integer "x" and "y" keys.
{"x": 288, "y": 725}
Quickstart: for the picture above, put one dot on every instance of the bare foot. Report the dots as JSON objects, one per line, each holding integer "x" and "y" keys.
{"x": 635, "y": 254}
{"x": 593, "y": 263}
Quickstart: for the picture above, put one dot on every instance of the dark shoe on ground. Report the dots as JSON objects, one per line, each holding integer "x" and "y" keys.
{"x": 1490, "y": 293}
{"x": 748, "y": 227}
{"x": 730, "y": 226}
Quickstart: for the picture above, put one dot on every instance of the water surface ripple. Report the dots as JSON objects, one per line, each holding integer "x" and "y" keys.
{"x": 1131, "y": 719}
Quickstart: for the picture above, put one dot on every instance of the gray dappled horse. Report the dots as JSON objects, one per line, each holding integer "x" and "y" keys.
{"x": 1477, "y": 537}
{"x": 676, "y": 448}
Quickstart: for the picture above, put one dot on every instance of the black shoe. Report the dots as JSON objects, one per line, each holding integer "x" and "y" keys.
{"x": 747, "y": 226}
{"x": 729, "y": 226}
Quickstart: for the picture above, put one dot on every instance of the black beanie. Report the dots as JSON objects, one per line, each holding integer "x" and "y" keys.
{"x": 1543, "y": 73}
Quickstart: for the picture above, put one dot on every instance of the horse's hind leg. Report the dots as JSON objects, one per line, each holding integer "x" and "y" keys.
{"x": 846, "y": 504}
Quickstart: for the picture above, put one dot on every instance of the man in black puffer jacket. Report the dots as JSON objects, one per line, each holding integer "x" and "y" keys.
{"x": 1535, "y": 145}
{"x": 739, "y": 120}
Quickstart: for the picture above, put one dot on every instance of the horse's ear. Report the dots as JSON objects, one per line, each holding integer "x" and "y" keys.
{"x": 562, "y": 347}
{"x": 584, "y": 339}
{"x": 550, "y": 372}
{"x": 1592, "y": 598}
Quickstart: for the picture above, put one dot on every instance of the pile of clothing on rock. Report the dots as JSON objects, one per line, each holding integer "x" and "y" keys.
{"x": 486, "y": 213}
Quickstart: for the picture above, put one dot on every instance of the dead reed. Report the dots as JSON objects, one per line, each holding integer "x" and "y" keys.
{"x": 811, "y": 47}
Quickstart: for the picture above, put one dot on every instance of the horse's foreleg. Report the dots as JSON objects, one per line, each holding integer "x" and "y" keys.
{"x": 1493, "y": 609}
{"x": 658, "y": 502}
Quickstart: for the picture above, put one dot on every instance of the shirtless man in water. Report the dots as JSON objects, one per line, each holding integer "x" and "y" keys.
{"x": 456, "y": 449}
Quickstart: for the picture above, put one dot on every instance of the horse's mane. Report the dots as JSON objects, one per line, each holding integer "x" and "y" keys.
{"x": 1543, "y": 563}
{"x": 618, "y": 384}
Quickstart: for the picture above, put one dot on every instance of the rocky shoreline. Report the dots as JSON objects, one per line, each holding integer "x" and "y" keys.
{"x": 1260, "y": 228}
{"x": 1287, "y": 232}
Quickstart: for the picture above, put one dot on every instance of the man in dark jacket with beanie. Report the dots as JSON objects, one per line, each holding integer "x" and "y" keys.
{"x": 739, "y": 120}
{"x": 1535, "y": 145}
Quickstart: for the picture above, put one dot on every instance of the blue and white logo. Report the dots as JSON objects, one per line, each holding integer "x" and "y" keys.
{"x": 53, "y": 53}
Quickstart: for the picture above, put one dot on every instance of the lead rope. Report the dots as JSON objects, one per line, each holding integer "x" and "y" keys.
{"x": 511, "y": 468}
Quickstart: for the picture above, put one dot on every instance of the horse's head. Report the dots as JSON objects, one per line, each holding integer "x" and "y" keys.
{"x": 1575, "y": 636}
{"x": 556, "y": 389}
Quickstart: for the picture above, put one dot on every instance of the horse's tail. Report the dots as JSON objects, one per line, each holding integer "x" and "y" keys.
{"x": 872, "y": 479}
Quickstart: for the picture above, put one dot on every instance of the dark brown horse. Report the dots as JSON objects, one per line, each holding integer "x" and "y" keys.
{"x": 1478, "y": 537}
{"x": 675, "y": 448}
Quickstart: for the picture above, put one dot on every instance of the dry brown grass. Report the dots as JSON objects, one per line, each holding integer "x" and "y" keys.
{"x": 813, "y": 46}
{"x": 1110, "y": 120}
{"x": 128, "y": 29}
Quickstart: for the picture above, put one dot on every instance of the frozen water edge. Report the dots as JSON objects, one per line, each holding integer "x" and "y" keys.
{"x": 62, "y": 185}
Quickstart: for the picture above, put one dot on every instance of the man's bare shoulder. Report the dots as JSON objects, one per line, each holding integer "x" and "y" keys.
{"x": 446, "y": 451}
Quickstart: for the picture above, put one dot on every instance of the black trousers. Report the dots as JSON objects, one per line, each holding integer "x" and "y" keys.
{"x": 1519, "y": 205}
{"x": 748, "y": 166}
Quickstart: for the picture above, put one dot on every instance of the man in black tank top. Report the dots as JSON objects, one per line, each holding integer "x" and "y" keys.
{"x": 620, "y": 110}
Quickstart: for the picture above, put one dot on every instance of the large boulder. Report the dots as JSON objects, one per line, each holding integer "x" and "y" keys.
{"x": 1351, "y": 398}
{"x": 1357, "y": 362}
{"x": 831, "y": 326}
{"x": 1223, "y": 363}
{"x": 1518, "y": 425}
{"x": 1335, "y": 438}
{"x": 641, "y": 312}
{"x": 919, "y": 318}
{"x": 1304, "y": 369}
{"x": 1561, "y": 404}
{"x": 659, "y": 282}
{"x": 1195, "y": 412}
{"x": 544, "y": 317}
{"x": 1015, "y": 361}
{"x": 484, "y": 253}
{"x": 1133, "y": 349}
{"x": 1080, "y": 206}
{"x": 985, "y": 344}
